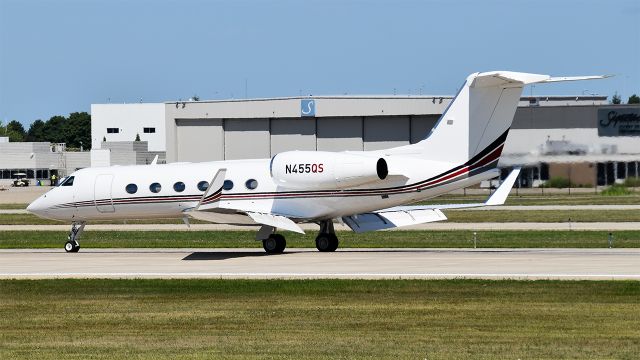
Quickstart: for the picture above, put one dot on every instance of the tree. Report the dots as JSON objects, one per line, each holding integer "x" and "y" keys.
{"x": 15, "y": 131}
{"x": 77, "y": 130}
{"x": 137, "y": 137}
{"x": 634, "y": 99}
{"x": 54, "y": 129}
{"x": 36, "y": 131}
{"x": 616, "y": 99}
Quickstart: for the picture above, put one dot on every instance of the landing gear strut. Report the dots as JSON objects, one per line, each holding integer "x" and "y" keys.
{"x": 327, "y": 241}
{"x": 271, "y": 242}
{"x": 72, "y": 244}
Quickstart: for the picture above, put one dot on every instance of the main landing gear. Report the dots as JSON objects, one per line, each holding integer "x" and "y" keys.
{"x": 327, "y": 241}
{"x": 271, "y": 242}
{"x": 72, "y": 244}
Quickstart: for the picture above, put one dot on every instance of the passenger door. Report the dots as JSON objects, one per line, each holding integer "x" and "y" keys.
{"x": 102, "y": 194}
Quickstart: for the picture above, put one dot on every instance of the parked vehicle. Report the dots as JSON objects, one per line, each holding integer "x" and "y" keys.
{"x": 20, "y": 180}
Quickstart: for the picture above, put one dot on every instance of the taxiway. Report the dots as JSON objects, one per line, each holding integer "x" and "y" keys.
{"x": 307, "y": 263}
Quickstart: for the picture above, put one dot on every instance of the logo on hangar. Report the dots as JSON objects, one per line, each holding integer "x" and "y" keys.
{"x": 307, "y": 107}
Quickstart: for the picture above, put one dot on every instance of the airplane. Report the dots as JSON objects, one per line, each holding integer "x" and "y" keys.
{"x": 366, "y": 190}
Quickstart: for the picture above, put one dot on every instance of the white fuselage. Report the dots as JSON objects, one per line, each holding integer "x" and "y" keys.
{"x": 100, "y": 193}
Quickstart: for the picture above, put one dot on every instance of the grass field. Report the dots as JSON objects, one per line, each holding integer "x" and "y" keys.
{"x": 330, "y": 319}
{"x": 546, "y": 199}
{"x": 452, "y": 215}
{"x": 385, "y": 239}
{"x": 13, "y": 206}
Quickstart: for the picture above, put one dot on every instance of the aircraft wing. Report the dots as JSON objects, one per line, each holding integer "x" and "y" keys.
{"x": 413, "y": 215}
{"x": 208, "y": 209}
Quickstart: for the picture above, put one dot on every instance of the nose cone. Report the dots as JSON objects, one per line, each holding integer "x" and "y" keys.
{"x": 37, "y": 207}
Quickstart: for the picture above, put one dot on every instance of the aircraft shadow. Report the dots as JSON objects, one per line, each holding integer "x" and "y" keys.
{"x": 210, "y": 255}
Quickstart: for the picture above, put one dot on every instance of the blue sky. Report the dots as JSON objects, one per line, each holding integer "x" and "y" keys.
{"x": 58, "y": 57}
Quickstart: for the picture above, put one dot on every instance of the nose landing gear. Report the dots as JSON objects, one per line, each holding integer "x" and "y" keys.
{"x": 72, "y": 244}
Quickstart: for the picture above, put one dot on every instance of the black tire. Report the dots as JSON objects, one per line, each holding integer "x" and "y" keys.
{"x": 274, "y": 244}
{"x": 327, "y": 242}
{"x": 71, "y": 246}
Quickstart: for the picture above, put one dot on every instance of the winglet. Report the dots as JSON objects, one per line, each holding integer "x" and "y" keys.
{"x": 211, "y": 197}
{"x": 500, "y": 196}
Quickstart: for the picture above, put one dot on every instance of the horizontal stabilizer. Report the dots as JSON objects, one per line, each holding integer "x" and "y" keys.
{"x": 505, "y": 78}
{"x": 276, "y": 221}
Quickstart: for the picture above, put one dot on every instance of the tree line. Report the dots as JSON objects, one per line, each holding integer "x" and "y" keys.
{"x": 633, "y": 99}
{"x": 74, "y": 130}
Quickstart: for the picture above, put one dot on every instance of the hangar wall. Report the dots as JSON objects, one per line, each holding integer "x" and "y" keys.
{"x": 229, "y": 139}
{"x": 261, "y": 128}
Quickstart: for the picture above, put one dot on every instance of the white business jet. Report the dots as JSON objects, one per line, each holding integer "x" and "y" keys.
{"x": 364, "y": 189}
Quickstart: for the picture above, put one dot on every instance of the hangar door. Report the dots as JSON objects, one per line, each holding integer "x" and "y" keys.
{"x": 421, "y": 126}
{"x": 383, "y": 132}
{"x": 246, "y": 139}
{"x": 199, "y": 140}
{"x": 293, "y": 134}
{"x": 339, "y": 133}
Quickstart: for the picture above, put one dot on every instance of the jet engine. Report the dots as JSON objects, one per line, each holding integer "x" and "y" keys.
{"x": 326, "y": 170}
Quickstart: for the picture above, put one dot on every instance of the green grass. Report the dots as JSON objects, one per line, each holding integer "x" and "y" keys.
{"x": 546, "y": 216}
{"x": 616, "y": 190}
{"x": 318, "y": 319}
{"x": 453, "y": 215}
{"x": 545, "y": 199}
{"x": 390, "y": 239}
{"x": 13, "y": 206}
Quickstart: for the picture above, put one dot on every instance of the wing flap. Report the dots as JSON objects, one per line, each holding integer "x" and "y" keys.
{"x": 388, "y": 219}
{"x": 276, "y": 221}
{"x": 400, "y": 216}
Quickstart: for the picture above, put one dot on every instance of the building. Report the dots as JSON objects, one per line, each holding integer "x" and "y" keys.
{"x": 39, "y": 160}
{"x": 563, "y": 136}
{"x": 122, "y": 122}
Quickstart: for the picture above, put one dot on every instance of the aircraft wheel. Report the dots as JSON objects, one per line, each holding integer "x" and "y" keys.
{"x": 327, "y": 242}
{"x": 71, "y": 246}
{"x": 274, "y": 244}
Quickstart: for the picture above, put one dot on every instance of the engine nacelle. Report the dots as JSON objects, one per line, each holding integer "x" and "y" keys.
{"x": 327, "y": 170}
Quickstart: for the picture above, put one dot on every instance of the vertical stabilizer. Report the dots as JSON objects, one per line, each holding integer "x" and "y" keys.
{"x": 478, "y": 119}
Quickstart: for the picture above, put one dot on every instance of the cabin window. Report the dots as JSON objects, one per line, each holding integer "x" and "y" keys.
{"x": 149, "y": 130}
{"x": 155, "y": 187}
{"x": 179, "y": 186}
{"x": 131, "y": 188}
{"x": 227, "y": 185}
{"x": 203, "y": 186}
{"x": 68, "y": 181}
{"x": 251, "y": 184}
{"x": 113, "y": 131}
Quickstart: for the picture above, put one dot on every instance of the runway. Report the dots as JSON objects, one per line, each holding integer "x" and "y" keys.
{"x": 574, "y": 264}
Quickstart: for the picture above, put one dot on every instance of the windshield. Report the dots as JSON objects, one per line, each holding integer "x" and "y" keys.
{"x": 68, "y": 181}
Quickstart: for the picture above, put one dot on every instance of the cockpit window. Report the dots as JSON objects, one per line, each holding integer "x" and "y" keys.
{"x": 68, "y": 181}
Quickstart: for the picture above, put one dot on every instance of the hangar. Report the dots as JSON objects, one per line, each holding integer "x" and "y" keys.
{"x": 551, "y": 135}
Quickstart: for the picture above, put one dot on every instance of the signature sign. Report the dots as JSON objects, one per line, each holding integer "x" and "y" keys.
{"x": 619, "y": 121}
